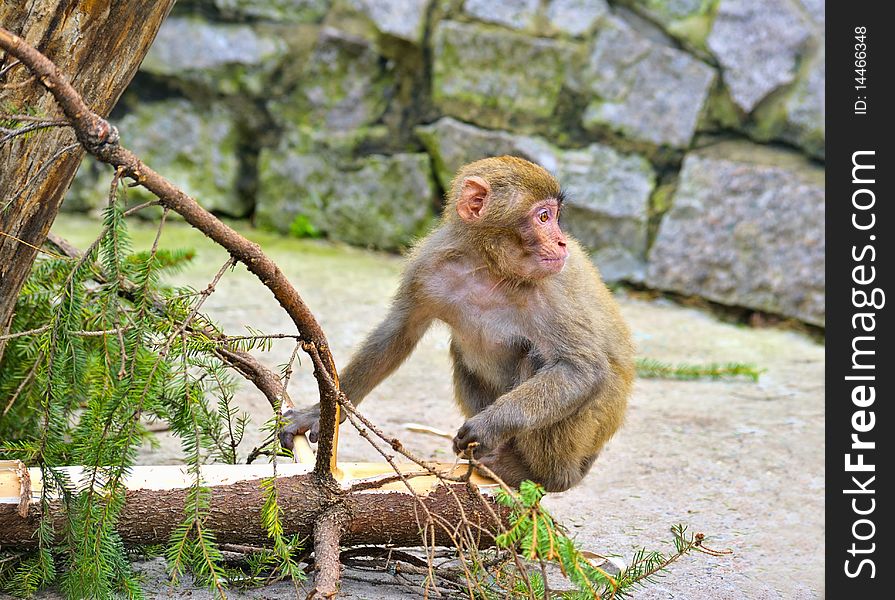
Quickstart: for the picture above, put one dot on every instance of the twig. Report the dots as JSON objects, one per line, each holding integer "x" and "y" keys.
{"x": 37, "y": 126}
{"x": 80, "y": 333}
{"x": 139, "y": 207}
{"x": 9, "y": 67}
{"x": 23, "y": 383}
{"x": 243, "y": 549}
{"x": 15, "y": 86}
{"x": 31, "y": 118}
{"x": 26, "y": 243}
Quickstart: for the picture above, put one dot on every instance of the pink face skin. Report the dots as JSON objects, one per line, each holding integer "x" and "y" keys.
{"x": 544, "y": 241}
{"x": 543, "y": 251}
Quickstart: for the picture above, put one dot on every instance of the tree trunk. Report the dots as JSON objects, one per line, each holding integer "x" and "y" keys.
{"x": 99, "y": 44}
{"x": 388, "y": 514}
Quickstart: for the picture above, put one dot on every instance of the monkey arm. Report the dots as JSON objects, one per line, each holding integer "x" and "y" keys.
{"x": 552, "y": 394}
{"x": 380, "y": 354}
{"x": 385, "y": 348}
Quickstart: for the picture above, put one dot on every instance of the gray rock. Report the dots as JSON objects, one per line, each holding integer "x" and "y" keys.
{"x": 645, "y": 90}
{"x": 378, "y": 201}
{"x": 89, "y": 190}
{"x": 746, "y": 228}
{"x": 797, "y": 113}
{"x": 344, "y": 85}
{"x": 576, "y": 17}
{"x": 816, "y": 10}
{"x": 608, "y": 204}
{"x": 517, "y": 14}
{"x": 227, "y": 59}
{"x": 570, "y": 17}
{"x": 805, "y": 106}
{"x": 495, "y": 77}
{"x": 608, "y": 193}
{"x": 194, "y": 147}
{"x": 280, "y": 11}
{"x": 806, "y": 109}
{"x": 405, "y": 19}
{"x": 452, "y": 144}
{"x": 686, "y": 20}
{"x": 758, "y": 44}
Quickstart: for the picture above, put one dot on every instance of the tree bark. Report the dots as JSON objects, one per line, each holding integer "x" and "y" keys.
{"x": 99, "y": 44}
{"x": 386, "y": 515}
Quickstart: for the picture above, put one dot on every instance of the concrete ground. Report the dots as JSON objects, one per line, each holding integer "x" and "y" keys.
{"x": 741, "y": 462}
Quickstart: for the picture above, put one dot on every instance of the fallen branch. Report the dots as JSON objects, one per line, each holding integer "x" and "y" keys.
{"x": 333, "y": 517}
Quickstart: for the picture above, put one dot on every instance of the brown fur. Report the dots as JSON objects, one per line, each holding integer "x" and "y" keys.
{"x": 543, "y": 364}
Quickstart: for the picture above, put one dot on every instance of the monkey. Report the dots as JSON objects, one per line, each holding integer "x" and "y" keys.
{"x": 543, "y": 362}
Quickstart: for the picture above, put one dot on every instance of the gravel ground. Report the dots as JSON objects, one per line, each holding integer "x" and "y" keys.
{"x": 741, "y": 462}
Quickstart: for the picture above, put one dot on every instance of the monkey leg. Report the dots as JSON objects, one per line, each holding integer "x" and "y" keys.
{"x": 510, "y": 464}
{"x": 559, "y": 456}
{"x": 506, "y": 463}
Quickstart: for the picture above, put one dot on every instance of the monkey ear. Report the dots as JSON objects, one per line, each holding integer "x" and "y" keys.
{"x": 473, "y": 199}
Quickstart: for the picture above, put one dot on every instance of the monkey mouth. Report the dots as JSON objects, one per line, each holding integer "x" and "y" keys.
{"x": 554, "y": 263}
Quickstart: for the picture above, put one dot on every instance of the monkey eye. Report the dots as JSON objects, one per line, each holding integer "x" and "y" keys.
{"x": 543, "y": 215}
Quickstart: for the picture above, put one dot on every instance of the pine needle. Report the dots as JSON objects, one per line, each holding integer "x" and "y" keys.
{"x": 649, "y": 368}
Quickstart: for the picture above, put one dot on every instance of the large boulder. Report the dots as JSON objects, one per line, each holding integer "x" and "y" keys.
{"x": 377, "y": 201}
{"x": 202, "y": 57}
{"x": 746, "y": 228}
{"x": 806, "y": 109}
{"x": 608, "y": 207}
{"x": 495, "y": 77}
{"x": 195, "y": 147}
{"x": 452, "y": 144}
{"x": 642, "y": 89}
{"x": 758, "y": 44}
{"x": 608, "y": 192}
{"x": 344, "y": 85}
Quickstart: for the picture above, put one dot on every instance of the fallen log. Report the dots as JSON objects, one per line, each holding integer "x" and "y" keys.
{"x": 380, "y": 509}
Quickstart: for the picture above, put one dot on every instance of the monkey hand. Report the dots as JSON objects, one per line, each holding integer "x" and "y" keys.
{"x": 298, "y": 422}
{"x": 479, "y": 431}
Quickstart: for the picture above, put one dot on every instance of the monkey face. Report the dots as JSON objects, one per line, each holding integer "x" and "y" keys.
{"x": 544, "y": 248}
{"x": 509, "y": 209}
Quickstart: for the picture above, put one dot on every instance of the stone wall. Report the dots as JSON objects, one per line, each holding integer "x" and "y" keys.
{"x": 688, "y": 133}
